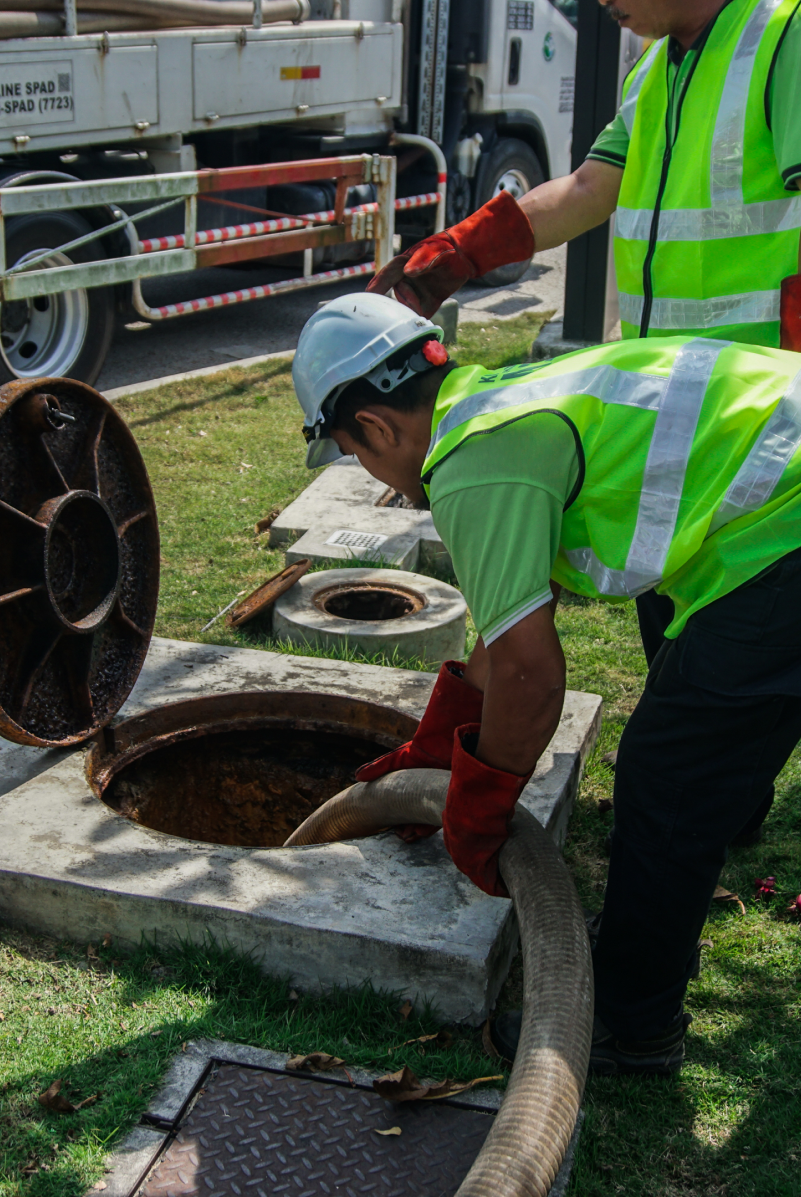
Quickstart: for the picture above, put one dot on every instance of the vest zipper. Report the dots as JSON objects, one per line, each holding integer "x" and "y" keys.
{"x": 647, "y": 281}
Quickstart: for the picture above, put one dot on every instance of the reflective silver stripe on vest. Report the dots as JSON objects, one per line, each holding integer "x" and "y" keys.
{"x": 753, "y": 307}
{"x": 601, "y": 382}
{"x": 711, "y": 224}
{"x": 663, "y": 478}
{"x": 628, "y": 108}
{"x": 758, "y": 476}
{"x": 728, "y": 141}
{"x": 729, "y": 215}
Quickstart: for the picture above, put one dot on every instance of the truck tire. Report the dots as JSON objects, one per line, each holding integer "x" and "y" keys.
{"x": 58, "y": 336}
{"x": 511, "y": 166}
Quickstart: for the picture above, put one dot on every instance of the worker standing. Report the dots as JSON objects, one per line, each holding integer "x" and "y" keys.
{"x": 670, "y": 462}
{"x": 702, "y": 166}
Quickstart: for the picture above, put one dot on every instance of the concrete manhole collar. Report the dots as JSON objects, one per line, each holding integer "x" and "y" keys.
{"x": 240, "y": 769}
{"x": 375, "y": 610}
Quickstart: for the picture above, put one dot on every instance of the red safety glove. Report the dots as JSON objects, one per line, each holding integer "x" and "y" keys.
{"x": 790, "y": 312}
{"x": 453, "y": 701}
{"x": 480, "y": 803}
{"x": 429, "y": 273}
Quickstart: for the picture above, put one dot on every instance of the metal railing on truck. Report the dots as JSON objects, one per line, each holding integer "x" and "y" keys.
{"x": 195, "y": 249}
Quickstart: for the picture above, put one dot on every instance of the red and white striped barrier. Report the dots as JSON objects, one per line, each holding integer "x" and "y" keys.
{"x": 234, "y": 232}
{"x": 261, "y": 292}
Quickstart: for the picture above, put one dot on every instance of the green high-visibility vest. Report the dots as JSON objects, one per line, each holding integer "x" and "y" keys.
{"x": 688, "y": 448}
{"x": 705, "y": 231}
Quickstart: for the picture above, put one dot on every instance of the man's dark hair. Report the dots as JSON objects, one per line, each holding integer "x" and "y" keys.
{"x": 416, "y": 392}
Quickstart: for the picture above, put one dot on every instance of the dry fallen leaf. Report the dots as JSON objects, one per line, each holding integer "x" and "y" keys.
{"x": 405, "y": 1010}
{"x": 314, "y": 1062}
{"x": 101, "y": 1184}
{"x": 294, "y": 996}
{"x": 263, "y": 525}
{"x": 393, "y": 1130}
{"x": 53, "y": 1099}
{"x": 2, "y": 1016}
{"x": 725, "y": 895}
{"x": 91, "y": 951}
{"x": 443, "y": 1038}
{"x": 107, "y": 940}
{"x": 405, "y": 1086}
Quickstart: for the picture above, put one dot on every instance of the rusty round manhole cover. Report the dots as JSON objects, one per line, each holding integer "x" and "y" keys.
{"x": 79, "y": 561}
{"x": 265, "y": 595}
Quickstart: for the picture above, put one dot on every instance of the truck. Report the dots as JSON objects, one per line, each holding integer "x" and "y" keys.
{"x": 117, "y": 116}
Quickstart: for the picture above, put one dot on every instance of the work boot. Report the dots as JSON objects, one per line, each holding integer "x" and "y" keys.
{"x": 660, "y": 1056}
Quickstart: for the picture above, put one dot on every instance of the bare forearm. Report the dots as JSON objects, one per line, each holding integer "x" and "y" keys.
{"x": 563, "y": 208}
{"x": 522, "y": 675}
{"x": 521, "y": 714}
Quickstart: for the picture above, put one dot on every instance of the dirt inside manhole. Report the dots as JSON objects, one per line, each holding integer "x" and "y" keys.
{"x": 365, "y": 601}
{"x": 249, "y": 788}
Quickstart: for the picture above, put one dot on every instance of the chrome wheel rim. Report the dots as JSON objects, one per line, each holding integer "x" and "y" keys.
{"x": 513, "y": 181}
{"x": 44, "y": 336}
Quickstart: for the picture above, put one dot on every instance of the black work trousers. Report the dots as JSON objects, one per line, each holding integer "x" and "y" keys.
{"x": 718, "y": 718}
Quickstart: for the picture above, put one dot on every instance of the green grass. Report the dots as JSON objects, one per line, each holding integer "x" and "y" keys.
{"x": 729, "y": 1124}
{"x": 111, "y": 1026}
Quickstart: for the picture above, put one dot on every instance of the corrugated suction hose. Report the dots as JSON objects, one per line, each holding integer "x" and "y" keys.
{"x": 525, "y": 1148}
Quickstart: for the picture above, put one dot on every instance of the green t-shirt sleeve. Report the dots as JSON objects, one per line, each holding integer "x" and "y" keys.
{"x": 785, "y": 106}
{"x": 612, "y": 143}
{"x": 497, "y": 503}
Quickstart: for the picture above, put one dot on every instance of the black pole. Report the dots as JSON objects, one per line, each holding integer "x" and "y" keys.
{"x": 597, "y": 58}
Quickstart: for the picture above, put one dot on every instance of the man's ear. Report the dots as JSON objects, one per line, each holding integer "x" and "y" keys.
{"x": 380, "y": 432}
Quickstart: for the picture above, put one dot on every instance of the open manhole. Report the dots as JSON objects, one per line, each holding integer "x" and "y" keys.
{"x": 239, "y": 769}
{"x": 368, "y": 600}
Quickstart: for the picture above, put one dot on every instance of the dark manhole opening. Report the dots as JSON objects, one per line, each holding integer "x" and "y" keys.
{"x": 253, "y": 1130}
{"x": 365, "y": 600}
{"x": 249, "y": 788}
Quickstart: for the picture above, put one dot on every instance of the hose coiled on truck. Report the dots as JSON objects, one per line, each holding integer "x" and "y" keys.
{"x": 531, "y": 1132}
{"x": 44, "y": 18}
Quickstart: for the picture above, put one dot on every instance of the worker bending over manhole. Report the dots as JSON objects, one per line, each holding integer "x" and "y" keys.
{"x": 701, "y": 167}
{"x": 667, "y": 464}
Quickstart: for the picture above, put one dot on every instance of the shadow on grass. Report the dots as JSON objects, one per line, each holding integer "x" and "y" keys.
{"x": 213, "y": 393}
{"x": 142, "y": 1010}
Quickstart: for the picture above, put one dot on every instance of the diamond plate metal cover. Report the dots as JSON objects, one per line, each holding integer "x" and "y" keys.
{"x": 253, "y": 1133}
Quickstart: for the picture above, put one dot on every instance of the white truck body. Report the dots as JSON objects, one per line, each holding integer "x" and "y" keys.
{"x": 475, "y": 95}
{"x": 133, "y": 89}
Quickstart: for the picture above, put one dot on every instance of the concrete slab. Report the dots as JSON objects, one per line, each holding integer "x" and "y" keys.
{"x": 345, "y": 496}
{"x": 131, "y": 1162}
{"x": 352, "y": 545}
{"x": 378, "y": 909}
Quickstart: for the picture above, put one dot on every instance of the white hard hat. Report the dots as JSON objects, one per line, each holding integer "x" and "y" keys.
{"x": 351, "y": 337}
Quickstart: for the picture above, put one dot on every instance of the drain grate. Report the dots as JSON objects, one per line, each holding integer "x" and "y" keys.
{"x": 256, "y": 1133}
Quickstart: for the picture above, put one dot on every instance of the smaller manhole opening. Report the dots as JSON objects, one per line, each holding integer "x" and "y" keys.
{"x": 369, "y": 601}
